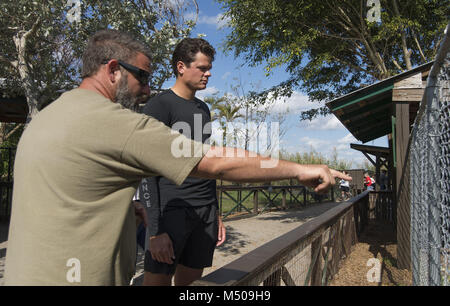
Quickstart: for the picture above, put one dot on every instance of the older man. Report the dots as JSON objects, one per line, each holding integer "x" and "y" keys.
{"x": 80, "y": 160}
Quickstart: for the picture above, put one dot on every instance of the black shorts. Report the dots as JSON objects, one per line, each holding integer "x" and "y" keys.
{"x": 345, "y": 188}
{"x": 193, "y": 232}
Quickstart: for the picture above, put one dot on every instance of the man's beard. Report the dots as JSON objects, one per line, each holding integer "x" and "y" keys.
{"x": 127, "y": 99}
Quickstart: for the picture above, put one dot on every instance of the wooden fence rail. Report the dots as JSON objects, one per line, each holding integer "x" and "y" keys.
{"x": 307, "y": 255}
{"x": 296, "y": 193}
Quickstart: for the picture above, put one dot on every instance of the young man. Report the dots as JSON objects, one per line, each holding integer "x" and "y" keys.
{"x": 79, "y": 163}
{"x": 184, "y": 225}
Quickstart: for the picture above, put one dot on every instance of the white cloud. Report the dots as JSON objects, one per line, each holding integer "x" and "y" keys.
{"x": 208, "y": 91}
{"x": 315, "y": 143}
{"x": 329, "y": 122}
{"x": 218, "y": 21}
{"x": 349, "y": 138}
{"x": 296, "y": 103}
{"x": 226, "y": 75}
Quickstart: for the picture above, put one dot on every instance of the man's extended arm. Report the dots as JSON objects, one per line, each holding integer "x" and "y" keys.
{"x": 243, "y": 167}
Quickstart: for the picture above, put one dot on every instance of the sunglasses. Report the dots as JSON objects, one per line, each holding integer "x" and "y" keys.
{"x": 141, "y": 75}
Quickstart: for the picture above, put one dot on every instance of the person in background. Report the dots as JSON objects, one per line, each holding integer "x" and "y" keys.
{"x": 368, "y": 182}
{"x": 383, "y": 180}
{"x": 345, "y": 188}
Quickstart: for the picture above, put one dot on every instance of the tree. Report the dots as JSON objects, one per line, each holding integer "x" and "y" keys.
{"x": 333, "y": 47}
{"x": 41, "y": 42}
{"x": 225, "y": 111}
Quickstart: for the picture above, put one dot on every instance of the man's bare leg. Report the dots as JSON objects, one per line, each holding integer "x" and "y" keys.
{"x": 184, "y": 276}
{"x": 154, "y": 279}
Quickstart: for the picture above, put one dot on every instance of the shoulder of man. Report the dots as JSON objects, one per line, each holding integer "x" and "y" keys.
{"x": 159, "y": 106}
{"x": 202, "y": 103}
{"x": 157, "y": 99}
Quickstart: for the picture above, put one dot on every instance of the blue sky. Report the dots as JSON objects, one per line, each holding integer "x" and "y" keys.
{"x": 322, "y": 134}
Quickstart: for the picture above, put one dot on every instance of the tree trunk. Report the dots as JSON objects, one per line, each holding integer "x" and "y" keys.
{"x": 31, "y": 90}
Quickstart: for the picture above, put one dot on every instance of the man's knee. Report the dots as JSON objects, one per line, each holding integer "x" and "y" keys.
{"x": 156, "y": 279}
{"x": 185, "y": 276}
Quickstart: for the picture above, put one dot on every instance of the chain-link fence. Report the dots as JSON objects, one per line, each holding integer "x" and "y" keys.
{"x": 430, "y": 177}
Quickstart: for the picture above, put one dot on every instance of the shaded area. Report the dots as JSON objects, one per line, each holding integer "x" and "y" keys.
{"x": 378, "y": 241}
{"x": 235, "y": 241}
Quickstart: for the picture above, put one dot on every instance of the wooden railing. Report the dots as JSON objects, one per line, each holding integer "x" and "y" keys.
{"x": 6, "y": 181}
{"x": 296, "y": 193}
{"x": 307, "y": 255}
{"x": 382, "y": 207}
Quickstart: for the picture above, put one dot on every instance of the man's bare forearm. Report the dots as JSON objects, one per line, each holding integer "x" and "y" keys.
{"x": 239, "y": 165}
{"x": 243, "y": 166}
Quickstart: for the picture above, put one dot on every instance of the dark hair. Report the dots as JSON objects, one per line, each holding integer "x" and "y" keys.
{"x": 186, "y": 50}
{"x": 108, "y": 44}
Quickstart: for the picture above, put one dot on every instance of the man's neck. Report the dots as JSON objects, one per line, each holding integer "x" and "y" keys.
{"x": 95, "y": 85}
{"x": 183, "y": 91}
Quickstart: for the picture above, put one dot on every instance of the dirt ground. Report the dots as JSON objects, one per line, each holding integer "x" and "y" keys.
{"x": 378, "y": 241}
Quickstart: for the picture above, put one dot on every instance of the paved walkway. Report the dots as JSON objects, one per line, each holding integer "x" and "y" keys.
{"x": 243, "y": 235}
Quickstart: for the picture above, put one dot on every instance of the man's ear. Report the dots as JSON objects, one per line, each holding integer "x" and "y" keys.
{"x": 113, "y": 71}
{"x": 180, "y": 68}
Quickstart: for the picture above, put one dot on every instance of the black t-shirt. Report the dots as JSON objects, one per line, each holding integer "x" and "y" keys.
{"x": 176, "y": 112}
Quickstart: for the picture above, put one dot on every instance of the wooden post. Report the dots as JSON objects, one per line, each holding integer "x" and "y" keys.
{"x": 255, "y": 201}
{"x": 406, "y": 91}
{"x": 274, "y": 279}
{"x": 316, "y": 273}
{"x": 402, "y": 186}
{"x": 283, "y": 203}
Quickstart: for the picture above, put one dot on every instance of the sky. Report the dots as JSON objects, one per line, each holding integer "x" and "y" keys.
{"x": 321, "y": 135}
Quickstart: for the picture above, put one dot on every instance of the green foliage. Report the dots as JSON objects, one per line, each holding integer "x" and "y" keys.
{"x": 49, "y": 63}
{"x": 328, "y": 47}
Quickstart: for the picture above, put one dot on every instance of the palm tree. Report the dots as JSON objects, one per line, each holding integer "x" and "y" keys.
{"x": 223, "y": 110}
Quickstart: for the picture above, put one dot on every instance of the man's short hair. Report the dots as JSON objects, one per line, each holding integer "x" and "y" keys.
{"x": 186, "y": 50}
{"x": 108, "y": 44}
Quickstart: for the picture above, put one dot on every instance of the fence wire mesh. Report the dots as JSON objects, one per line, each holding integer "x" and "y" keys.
{"x": 430, "y": 178}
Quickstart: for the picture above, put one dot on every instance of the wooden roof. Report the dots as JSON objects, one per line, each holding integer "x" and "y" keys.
{"x": 367, "y": 112}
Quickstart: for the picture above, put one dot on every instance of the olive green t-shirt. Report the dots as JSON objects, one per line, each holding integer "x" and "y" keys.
{"x": 77, "y": 167}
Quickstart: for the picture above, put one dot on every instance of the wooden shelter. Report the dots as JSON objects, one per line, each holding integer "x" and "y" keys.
{"x": 388, "y": 107}
{"x": 13, "y": 109}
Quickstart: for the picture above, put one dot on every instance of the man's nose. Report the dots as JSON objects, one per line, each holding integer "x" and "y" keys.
{"x": 208, "y": 73}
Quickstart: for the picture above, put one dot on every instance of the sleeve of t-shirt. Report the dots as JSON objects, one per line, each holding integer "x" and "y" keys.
{"x": 150, "y": 195}
{"x": 153, "y": 149}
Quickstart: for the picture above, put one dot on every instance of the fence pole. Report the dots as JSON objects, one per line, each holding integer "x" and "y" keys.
{"x": 255, "y": 201}
{"x": 316, "y": 273}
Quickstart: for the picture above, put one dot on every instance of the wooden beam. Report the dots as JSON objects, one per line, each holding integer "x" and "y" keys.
{"x": 409, "y": 89}
{"x": 369, "y": 158}
{"x": 407, "y": 94}
{"x": 402, "y": 185}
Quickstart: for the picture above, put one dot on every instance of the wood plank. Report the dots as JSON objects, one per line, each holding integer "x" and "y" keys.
{"x": 413, "y": 81}
{"x": 286, "y": 277}
{"x": 316, "y": 261}
{"x": 407, "y": 94}
{"x": 402, "y": 186}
